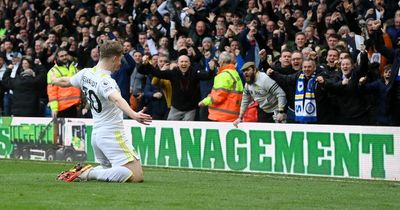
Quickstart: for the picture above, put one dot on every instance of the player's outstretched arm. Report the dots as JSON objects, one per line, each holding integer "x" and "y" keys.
{"x": 120, "y": 102}
{"x": 61, "y": 81}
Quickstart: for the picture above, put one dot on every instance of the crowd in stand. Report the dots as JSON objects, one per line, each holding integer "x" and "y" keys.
{"x": 294, "y": 61}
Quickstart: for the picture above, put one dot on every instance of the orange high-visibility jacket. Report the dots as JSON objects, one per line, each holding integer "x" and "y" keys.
{"x": 61, "y": 98}
{"x": 224, "y": 100}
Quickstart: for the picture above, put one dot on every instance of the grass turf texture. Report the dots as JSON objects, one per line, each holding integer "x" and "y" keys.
{"x": 32, "y": 185}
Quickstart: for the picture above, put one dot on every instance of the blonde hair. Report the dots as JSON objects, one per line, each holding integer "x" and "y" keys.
{"x": 110, "y": 48}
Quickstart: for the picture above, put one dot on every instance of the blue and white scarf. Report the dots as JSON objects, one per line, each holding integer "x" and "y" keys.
{"x": 304, "y": 103}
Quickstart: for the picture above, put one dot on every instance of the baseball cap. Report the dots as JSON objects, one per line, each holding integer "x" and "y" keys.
{"x": 247, "y": 65}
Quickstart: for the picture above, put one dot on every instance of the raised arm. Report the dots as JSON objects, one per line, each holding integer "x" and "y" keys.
{"x": 146, "y": 68}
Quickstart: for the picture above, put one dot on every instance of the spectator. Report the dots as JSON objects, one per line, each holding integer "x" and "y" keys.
{"x": 353, "y": 108}
{"x": 380, "y": 88}
{"x": 393, "y": 56}
{"x": 137, "y": 81}
{"x": 300, "y": 41}
{"x": 208, "y": 53}
{"x": 8, "y": 95}
{"x": 9, "y": 50}
{"x": 158, "y": 92}
{"x": 142, "y": 42}
{"x": 94, "y": 58}
{"x": 25, "y": 85}
{"x": 123, "y": 75}
{"x": 41, "y": 53}
{"x": 224, "y": 100}
{"x": 3, "y": 68}
{"x": 252, "y": 42}
{"x": 185, "y": 86}
{"x": 128, "y": 48}
{"x": 235, "y": 49}
{"x": 270, "y": 97}
{"x": 394, "y": 32}
{"x": 63, "y": 102}
{"x": 310, "y": 104}
{"x": 199, "y": 33}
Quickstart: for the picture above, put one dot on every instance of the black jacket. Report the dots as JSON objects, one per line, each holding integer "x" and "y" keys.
{"x": 185, "y": 87}
{"x": 26, "y": 93}
{"x": 350, "y": 98}
{"x": 324, "y": 113}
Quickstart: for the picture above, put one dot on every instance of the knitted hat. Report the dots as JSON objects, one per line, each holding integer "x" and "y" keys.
{"x": 207, "y": 39}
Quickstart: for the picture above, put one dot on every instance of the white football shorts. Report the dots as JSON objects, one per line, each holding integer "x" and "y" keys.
{"x": 112, "y": 148}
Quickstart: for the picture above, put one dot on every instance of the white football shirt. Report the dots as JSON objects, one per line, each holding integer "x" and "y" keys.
{"x": 97, "y": 85}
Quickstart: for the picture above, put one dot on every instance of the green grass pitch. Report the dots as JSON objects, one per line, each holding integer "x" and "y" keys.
{"x": 32, "y": 185}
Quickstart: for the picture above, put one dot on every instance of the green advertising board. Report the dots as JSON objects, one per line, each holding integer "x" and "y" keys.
{"x": 362, "y": 152}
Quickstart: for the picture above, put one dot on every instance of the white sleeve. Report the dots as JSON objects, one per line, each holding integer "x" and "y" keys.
{"x": 107, "y": 86}
{"x": 77, "y": 78}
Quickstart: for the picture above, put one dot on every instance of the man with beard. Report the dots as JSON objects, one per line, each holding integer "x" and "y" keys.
{"x": 266, "y": 92}
{"x": 63, "y": 101}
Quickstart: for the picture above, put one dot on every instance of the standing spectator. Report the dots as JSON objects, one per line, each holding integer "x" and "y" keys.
{"x": 185, "y": 81}
{"x": 9, "y": 50}
{"x": 393, "y": 56}
{"x": 252, "y": 42}
{"x": 353, "y": 108}
{"x": 123, "y": 75}
{"x": 220, "y": 39}
{"x": 3, "y": 69}
{"x": 296, "y": 60}
{"x": 266, "y": 92}
{"x": 8, "y": 95}
{"x": 224, "y": 100}
{"x": 128, "y": 48}
{"x": 137, "y": 81}
{"x": 299, "y": 41}
{"x": 63, "y": 102}
{"x": 235, "y": 49}
{"x": 94, "y": 58}
{"x": 26, "y": 89}
{"x": 310, "y": 104}
{"x": 285, "y": 67}
{"x": 380, "y": 88}
{"x": 199, "y": 33}
{"x": 41, "y": 53}
{"x": 158, "y": 92}
{"x": 208, "y": 53}
{"x": 311, "y": 40}
{"x": 394, "y": 32}
{"x": 142, "y": 42}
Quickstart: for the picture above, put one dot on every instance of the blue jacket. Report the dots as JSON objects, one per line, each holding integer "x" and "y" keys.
{"x": 156, "y": 107}
{"x": 381, "y": 90}
{"x": 123, "y": 75}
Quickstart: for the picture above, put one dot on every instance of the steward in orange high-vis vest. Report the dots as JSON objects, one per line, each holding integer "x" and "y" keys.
{"x": 226, "y": 95}
{"x": 60, "y": 98}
